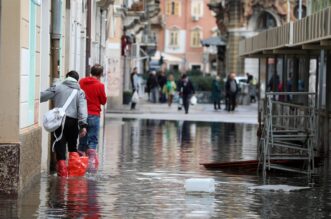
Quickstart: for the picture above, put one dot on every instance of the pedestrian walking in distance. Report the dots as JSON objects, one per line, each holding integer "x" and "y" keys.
{"x": 75, "y": 121}
{"x": 231, "y": 89}
{"x": 186, "y": 91}
{"x": 135, "y": 86}
{"x": 162, "y": 80}
{"x": 216, "y": 93}
{"x": 169, "y": 89}
{"x": 153, "y": 87}
{"x": 95, "y": 96}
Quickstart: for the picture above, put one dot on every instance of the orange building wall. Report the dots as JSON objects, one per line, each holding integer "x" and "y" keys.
{"x": 185, "y": 22}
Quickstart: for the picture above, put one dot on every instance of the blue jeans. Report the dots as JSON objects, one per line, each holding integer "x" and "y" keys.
{"x": 90, "y": 141}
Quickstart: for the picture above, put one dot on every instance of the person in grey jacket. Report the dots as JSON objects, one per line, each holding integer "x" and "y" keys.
{"x": 76, "y": 118}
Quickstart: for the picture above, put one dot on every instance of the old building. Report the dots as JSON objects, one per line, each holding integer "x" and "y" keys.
{"x": 40, "y": 42}
{"x": 186, "y": 23}
{"x": 239, "y": 19}
{"x": 297, "y": 53}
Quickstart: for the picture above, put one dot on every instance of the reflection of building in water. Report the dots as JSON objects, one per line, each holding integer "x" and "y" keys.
{"x": 108, "y": 154}
{"x": 249, "y": 140}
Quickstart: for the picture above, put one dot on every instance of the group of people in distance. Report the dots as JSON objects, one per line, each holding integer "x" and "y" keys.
{"x": 82, "y": 120}
{"x": 231, "y": 91}
{"x": 163, "y": 89}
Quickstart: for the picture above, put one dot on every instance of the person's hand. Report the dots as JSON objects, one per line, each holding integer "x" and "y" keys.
{"x": 82, "y": 132}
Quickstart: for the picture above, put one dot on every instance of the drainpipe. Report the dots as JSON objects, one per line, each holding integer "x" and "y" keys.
{"x": 88, "y": 38}
{"x": 100, "y": 37}
{"x": 55, "y": 38}
{"x": 56, "y": 8}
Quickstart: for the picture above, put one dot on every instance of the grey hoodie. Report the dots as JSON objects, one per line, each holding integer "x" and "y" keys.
{"x": 77, "y": 109}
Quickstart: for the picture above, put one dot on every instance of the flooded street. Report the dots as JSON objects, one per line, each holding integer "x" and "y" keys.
{"x": 144, "y": 164}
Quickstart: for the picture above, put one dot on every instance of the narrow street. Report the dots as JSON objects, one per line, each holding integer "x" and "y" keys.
{"x": 144, "y": 164}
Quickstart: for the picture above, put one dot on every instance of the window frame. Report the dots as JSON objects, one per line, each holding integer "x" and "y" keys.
{"x": 196, "y": 33}
{"x": 174, "y": 34}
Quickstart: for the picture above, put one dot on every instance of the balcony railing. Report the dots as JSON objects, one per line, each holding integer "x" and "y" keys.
{"x": 313, "y": 28}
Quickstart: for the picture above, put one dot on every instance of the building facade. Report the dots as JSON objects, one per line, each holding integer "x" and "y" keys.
{"x": 41, "y": 41}
{"x": 239, "y": 19}
{"x": 186, "y": 23}
{"x": 299, "y": 53}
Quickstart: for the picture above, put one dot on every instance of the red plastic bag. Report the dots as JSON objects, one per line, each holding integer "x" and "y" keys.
{"x": 77, "y": 165}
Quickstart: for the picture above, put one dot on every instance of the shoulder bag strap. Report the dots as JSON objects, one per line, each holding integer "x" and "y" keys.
{"x": 69, "y": 100}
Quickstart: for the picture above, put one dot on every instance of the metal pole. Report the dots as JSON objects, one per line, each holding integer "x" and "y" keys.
{"x": 300, "y": 9}
{"x": 100, "y": 37}
{"x": 88, "y": 37}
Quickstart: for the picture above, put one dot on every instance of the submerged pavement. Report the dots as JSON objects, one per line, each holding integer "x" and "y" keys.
{"x": 142, "y": 172}
{"x": 245, "y": 114}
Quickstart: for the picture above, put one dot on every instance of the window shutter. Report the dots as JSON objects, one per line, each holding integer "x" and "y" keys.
{"x": 177, "y": 8}
{"x": 168, "y": 7}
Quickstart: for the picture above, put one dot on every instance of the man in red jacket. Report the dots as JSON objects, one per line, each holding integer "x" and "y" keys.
{"x": 95, "y": 96}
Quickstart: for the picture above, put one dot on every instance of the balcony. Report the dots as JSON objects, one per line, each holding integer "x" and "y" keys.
{"x": 309, "y": 30}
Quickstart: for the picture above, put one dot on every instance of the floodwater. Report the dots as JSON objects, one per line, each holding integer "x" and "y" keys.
{"x": 144, "y": 165}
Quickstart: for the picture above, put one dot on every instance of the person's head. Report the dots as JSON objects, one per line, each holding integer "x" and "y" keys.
{"x": 134, "y": 70}
{"x": 218, "y": 78}
{"x": 233, "y": 76}
{"x": 184, "y": 77}
{"x": 171, "y": 78}
{"x": 73, "y": 74}
{"x": 153, "y": 73}
{"x": 97, "y": 70}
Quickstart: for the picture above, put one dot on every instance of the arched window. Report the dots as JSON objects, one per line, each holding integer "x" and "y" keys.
{"x": 266, "y": 21}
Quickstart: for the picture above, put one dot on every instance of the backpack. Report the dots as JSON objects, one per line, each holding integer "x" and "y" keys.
{"x": 55, "y": 118}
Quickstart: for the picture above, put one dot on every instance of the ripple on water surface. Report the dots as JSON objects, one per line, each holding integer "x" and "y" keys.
{"x": 143, "y": 168}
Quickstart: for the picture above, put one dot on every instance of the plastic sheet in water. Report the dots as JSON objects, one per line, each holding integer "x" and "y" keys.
{"x": 283, "y": 188}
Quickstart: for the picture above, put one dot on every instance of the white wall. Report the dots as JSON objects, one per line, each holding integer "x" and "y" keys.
{"x": 182, "y": 42}
{"x": 252, "y": 66}
{"x": 77, "y": 37}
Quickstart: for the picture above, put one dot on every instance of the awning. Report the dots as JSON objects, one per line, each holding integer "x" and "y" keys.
{"x": 167, "y": 57}
{"x": 213, "y": 41}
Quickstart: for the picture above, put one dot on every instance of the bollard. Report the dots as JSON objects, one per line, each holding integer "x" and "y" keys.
{"x": 200, "y": 185}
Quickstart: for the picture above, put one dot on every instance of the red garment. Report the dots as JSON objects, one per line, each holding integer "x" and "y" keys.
{"x": 95, "y": 94}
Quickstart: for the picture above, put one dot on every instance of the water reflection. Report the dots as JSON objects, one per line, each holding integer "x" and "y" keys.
{"x": 143, "y": 167}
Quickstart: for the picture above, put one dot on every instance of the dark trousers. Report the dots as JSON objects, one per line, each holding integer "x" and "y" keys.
{"x": 69, "y": 137}
{"x": 186, "y": 102}
{"x": 133, "y": 105}
{"x": 231, "y": 102}
{"x": 217, "y": 104}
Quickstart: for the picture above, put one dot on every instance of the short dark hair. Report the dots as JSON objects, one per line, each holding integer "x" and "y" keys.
{"x": 184, "y": 76}
{"x": 97, "y": 70}
{"x": 73, "y": 74}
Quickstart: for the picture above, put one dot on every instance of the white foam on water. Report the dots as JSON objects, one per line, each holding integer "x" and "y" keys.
{"x": 284, "y": 188}
{"x": 151, "y": 174}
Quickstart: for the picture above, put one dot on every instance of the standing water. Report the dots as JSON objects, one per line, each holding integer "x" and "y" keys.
{"x": 144, "y": 165}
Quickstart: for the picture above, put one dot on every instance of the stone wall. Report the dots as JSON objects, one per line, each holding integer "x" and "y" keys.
{"x": 30, "y": 156}
{"x": 9, "y": 169}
